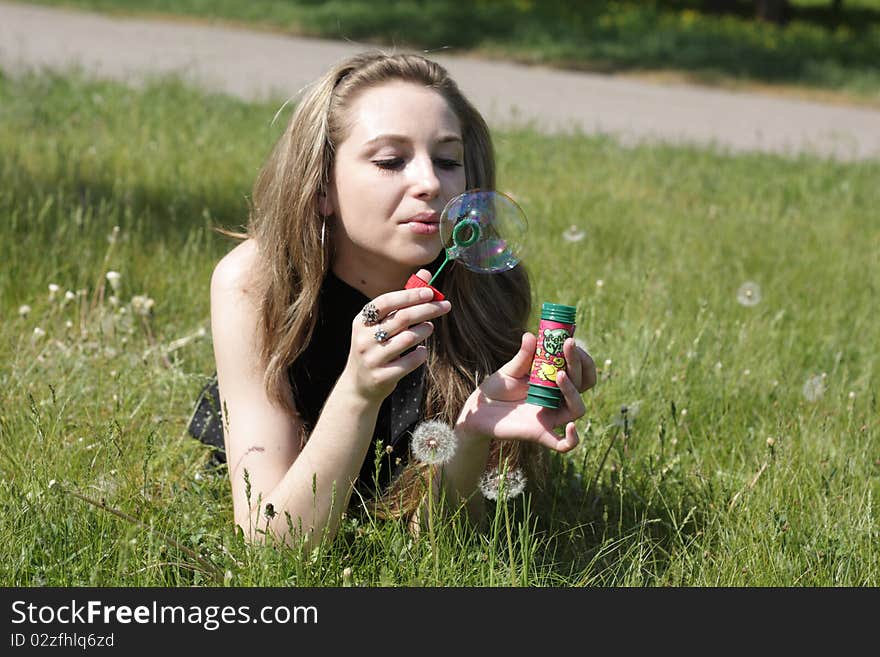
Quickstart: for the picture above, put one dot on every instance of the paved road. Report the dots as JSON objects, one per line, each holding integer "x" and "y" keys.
{"x": 256, "y": 65}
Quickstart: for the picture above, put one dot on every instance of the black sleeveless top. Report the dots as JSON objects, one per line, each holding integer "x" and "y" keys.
{"x": 312, "y": 377}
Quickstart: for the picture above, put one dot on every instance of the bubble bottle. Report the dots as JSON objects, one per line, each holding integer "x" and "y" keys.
{"x": 556, "y": 326}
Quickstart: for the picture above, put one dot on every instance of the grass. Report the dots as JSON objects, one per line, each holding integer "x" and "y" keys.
{"x": 722, "y": 473}
{"x": 818, "y": 53}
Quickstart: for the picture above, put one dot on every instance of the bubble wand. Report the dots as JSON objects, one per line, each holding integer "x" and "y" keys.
{"x": 485, "y": 231}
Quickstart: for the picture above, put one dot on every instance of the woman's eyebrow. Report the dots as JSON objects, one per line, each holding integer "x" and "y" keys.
{"x": 443, "y": 139}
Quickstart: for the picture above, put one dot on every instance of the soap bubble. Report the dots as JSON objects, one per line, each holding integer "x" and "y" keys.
{"x": 484, "y": 230}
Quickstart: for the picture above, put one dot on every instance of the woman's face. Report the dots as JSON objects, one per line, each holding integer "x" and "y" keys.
{"x": 401, "y": 162}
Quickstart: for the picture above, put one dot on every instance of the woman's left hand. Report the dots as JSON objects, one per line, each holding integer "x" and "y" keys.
{"x": 498, "y": 408}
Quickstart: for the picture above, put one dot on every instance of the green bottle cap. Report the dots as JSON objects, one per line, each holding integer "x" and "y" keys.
{"x": 544, "y": 396}
{"x": 557, "y": 312}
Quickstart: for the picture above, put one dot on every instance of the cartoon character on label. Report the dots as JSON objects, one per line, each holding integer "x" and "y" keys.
{"x": 549, "y": 359}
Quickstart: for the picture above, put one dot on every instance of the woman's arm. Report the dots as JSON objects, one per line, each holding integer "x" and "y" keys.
{"x": 311, "y": 484}
{"x": 262, "y": 439}
{"x": 497, "y": 409}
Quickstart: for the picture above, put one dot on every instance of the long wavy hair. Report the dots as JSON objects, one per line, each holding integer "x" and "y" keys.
{"x": 491, "y": 311}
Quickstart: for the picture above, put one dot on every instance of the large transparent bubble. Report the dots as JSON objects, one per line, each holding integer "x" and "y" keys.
{"x": 484, "y": 230}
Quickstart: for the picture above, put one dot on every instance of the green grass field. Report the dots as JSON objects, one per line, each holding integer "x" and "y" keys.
{"x": 818, "y": 53}
{"x": 750, "y": 454}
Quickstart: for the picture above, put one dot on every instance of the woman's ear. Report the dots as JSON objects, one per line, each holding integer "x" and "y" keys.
{"x": 325, "y": 203}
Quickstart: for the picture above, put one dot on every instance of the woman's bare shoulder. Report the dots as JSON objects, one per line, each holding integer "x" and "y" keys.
{"x": 236, "y": 273}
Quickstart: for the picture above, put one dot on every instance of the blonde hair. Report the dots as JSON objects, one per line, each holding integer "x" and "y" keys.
{"x": 469, "y": 344}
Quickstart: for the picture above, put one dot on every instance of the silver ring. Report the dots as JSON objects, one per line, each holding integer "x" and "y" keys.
{"x": 380, "y": 335}
{"x": 370, "y": 314}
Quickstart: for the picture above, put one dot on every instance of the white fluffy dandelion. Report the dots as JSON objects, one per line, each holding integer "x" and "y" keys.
{"x": 142, "y": 305}
{"x": 24, "y": 310}
{"x": 814, "y": 388}
{"x": 53, "y": 291}
{"x": 39, "y": 333}
{"x": 573, "y": 234}
{"x": 113, "y": 277}
{"x": 433, "y": 442}
{"x": 627, "y": 413}
{"x": 494, "y": 485}
{"x": 749, "y": 294}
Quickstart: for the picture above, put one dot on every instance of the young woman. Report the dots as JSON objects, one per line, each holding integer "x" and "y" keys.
{"x": 321, "y": 353}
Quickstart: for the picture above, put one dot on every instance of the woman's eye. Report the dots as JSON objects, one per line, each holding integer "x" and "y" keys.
{"x": 389, "y": 164}
{"x": 445, "y": 163}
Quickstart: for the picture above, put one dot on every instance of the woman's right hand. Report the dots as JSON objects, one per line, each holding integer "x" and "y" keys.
{"x": 375, "y": 366}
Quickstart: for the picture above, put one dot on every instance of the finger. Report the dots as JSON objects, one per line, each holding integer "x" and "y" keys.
{"x": 573, "y": 401}
{"x": 571, "y": 439}
{"x": 572, "y": 361}
{"x": 409, "y": 362}
{"x": 392, "y": 301}
{"x": 392, "y": 348}
{"x": 521, "y": 363}
{"x": 588, "y": 372}
{"x": 424, "y": 274}
{"x": 415, "y": 315}
{"x": 566, "y": 443}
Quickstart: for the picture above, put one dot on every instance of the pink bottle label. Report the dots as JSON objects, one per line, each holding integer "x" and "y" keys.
{"x": 548, "y": 355}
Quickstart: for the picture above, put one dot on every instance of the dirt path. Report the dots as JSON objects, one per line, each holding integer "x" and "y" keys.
{"x": 256, "y": 65}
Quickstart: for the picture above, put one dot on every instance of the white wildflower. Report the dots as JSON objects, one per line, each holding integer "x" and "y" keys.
{"x": 24, "y": 310}
{"x": 573, "y": 234}
{"x": 749, "y": 294}
{"x": 433, "y": 442}
{"x": 53, "y": 291}
{"x": 39, "y": 333}
{"x": 600, "y": 283}
{"x": 607, "y": 363}
{"x": 494, "y": 485}
{"x": 68, "y": 297}
{"x": 113, "y": 277}
{"x": 814, "y": 388}
{"x": 142, "y": 305}
{"x": 852, "y": 395}
{"x": 113, "y": 300}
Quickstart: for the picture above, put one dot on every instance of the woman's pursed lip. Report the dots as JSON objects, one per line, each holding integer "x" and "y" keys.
{"x": 424, "y": 218}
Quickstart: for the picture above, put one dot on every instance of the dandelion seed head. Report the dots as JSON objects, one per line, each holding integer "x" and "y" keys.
{"x": 852, "y": 395}
{"x": 607, "y": 363}
{"x": 494, "y": 485}
{"x": 69, "y": 296}
{"x": 53, "y": 291}
{"x": 814, "y": 388}
{"x": 771, "y": 442}
{"x": 433, "y": 442}
{"x": 39, "y": 333}
{"x": 749, "y": 294}
{"x": 142, "y": 305}
{"x": 573, "y": 234}
{"x": 600, "y": 283}
{"x": 113, "y": 277}
{"x": 24, "y": 310}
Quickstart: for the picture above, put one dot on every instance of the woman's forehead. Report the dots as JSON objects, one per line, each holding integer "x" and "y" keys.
{"x": 400, "y": 111}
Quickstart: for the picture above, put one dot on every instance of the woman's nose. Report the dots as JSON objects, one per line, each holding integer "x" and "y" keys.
{"x": 425, "y": 181}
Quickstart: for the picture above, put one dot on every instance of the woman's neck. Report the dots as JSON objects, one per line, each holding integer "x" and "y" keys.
{"x": 373, "y": 280}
